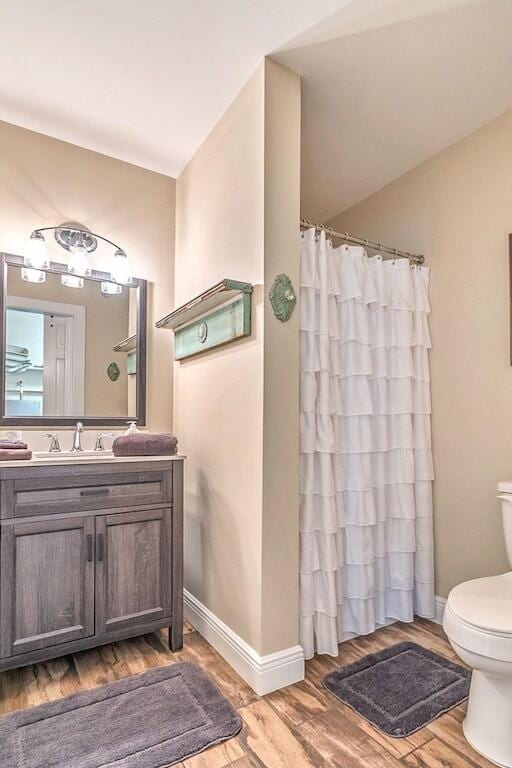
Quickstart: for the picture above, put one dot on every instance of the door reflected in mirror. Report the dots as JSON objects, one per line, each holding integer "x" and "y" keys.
{"x": 70, "y": 352}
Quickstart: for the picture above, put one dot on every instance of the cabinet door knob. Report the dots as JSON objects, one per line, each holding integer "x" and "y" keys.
{"x": 100, "y": 547}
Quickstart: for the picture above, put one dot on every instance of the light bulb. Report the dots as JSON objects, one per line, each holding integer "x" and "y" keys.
{"x": 37, "y": 252}
{"x": 33, "y": 275}
{"x": 71, "y": 281}
{"x": 79, "y": 260}
{"x": 119, "y": 268}
{"x": 111, "y": 289}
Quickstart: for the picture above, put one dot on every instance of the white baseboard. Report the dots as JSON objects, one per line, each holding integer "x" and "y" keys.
{"x": 263, "y": 673}
{"x": 440, "y": 603}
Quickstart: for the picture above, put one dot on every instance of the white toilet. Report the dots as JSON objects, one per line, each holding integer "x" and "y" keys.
{"x": 478, "y": 622}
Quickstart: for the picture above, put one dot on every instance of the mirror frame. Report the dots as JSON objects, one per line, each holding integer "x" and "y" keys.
{"x": 11, "y": 260}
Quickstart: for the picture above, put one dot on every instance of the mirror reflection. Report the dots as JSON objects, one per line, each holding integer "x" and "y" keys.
{"x": 70, "y": 351}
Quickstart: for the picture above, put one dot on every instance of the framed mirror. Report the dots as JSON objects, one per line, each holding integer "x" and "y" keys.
{"x": 73, "y": 349}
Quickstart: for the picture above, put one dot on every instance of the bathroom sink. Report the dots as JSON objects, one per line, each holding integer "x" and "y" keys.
{"x": 85, "y": 457}
{"x": 73, "y": 455}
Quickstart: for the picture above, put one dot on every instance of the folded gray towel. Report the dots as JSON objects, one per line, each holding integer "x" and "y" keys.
{"x": 145, "y": 444}
{"x": 16, "y": 454}
{"x": 13, "y": 445}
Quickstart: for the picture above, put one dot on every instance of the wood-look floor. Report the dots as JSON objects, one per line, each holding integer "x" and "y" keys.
{"x": 302, "y": 726}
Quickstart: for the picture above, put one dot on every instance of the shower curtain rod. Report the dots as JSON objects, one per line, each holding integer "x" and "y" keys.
{"x": 414, "y": 258}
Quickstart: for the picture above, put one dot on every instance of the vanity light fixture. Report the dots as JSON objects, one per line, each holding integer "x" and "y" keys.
{"x": 33, "y": 275}
{"x": 37, "y": 252}
{"x": 119, "y": 268}
{"x": 72, "y": 281}
{"x": 111, "y": 289}
{"x": 79, "y": 241}
{"x": 78, "y": 260}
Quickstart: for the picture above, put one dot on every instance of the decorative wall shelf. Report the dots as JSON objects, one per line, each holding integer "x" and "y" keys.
{"x": 126, "y": 345}
{"x": 129, "y": 346}
{"x": 217, "y": 316}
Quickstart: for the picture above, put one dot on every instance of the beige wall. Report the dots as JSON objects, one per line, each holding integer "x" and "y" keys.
{"x": 456, "y": 208}
{"x": 280, "y": 584}
{"x": 241, "y": 545}
{"x": 218, "y": 395}
{"x": 44, "y": 182}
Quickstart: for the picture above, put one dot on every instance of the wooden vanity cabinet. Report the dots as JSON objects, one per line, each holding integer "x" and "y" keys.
{"x": 89, "y": 554}
{"x": 133, "y": 573}
{"x": 47, "y": 584}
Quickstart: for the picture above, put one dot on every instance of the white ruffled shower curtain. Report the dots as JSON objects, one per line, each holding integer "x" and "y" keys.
{"x": 366, "y": 461}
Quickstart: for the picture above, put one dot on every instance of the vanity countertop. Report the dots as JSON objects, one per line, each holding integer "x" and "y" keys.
{"x": 67, "y": 459}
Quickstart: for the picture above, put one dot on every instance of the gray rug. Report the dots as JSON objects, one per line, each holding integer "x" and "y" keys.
{"x": 400, "y": 689}
{"x": 148, "y": 721}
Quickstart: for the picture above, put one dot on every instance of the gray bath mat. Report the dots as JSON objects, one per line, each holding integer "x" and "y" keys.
{"x": 400, "y": 689}
{"x": 148, "y": 721}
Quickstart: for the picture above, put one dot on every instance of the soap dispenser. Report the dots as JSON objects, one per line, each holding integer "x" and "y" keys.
{"x": 132, "y": 429}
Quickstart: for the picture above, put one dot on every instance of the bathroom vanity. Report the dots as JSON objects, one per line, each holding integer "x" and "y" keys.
{"x": 91, "y": 551}
{"x": 91, "y": 546}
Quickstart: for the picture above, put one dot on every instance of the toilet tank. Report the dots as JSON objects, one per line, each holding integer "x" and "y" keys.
{"x": 505, "y": 495}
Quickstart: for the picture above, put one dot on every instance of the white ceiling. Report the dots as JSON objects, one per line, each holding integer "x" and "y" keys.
{"x": 386, "y": 83}
{"x": 395, "y": 87}
{"x": 141, "y": 80}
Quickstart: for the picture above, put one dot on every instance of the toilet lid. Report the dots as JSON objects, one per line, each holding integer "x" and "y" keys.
{"x": 485, "y": 603}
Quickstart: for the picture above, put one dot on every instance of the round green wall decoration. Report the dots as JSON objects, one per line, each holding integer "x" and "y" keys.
{"x": 282, "y": 297}
{"x": 113, "y": 372}
{"x": 202, "y": 332}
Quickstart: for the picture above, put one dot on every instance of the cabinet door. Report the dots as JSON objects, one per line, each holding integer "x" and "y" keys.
{"x": 46, "y": 584}
{"x": 133, "y": 569}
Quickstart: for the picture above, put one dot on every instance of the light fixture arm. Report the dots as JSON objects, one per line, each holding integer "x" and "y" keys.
{"x": 83, "y": 232}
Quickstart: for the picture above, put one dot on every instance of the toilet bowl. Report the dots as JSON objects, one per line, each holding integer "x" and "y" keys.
{"x": 478, "y": 623}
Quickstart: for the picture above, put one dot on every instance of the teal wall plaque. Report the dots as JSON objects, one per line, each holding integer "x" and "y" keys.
{"x": 230, "y": 322}
{"x": 131, "y": 363}
{"x": 217, "y": 316}
{"x": 113, "y": 371}
{"x": 282, "y": 297}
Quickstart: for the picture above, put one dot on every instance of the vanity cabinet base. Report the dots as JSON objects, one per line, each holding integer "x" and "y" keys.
{"x": 81, "y": 578}
{"x": 34, "y": 657}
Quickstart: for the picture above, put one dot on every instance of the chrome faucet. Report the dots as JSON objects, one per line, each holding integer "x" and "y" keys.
{"x": 77, "y": 437}
{"x": 100, "y": 445}
{"x": 54, "y": 442}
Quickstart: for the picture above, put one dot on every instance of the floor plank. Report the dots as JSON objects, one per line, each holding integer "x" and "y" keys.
{"x": 198, "y": 651}
{"x": 448, "y": 729}
{"x": 92, "y": 669}
{"x": 332, "y": 739}
{"x": 397, "y": 747}
{"x": 219, "y": 756}
{"x": 436, "y": 754}
{"x": 270, "y": 740}
{"x": 298, "y": 703}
